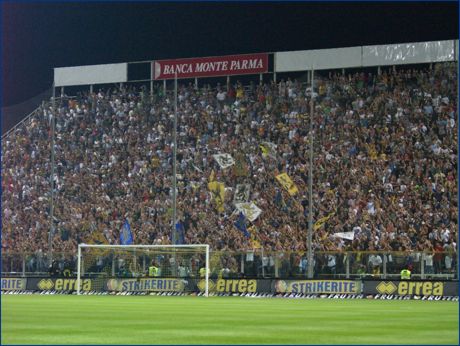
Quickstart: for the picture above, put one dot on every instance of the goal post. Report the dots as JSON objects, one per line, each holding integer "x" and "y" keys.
{"x": 143, "y": 268}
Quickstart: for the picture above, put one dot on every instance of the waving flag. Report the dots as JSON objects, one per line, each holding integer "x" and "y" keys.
{"x": 287, "y": 183}
{"x": 345, "y": 235}
{"x": 180, "y": 233}
{"x": 241, "y": 168}
{"x": 242, "y": 193}
{"x": 320, "y": 222}
{"x": 126, "y": 236}
{"x": 268, "y": 149}
{"x": 241, "y": 225}
{"x": 224, "y": 160}
{"x": 249, "y": 209}
{"x": 218, "y": 194}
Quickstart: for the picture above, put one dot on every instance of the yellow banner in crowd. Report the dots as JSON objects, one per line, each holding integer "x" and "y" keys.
{"x": 268, "y": 149}
{"x": 218, "y": 194}
{"x": 254, "y": 243}
{"x": 265, "y": 149}
{"x": 287, "y": 183}
{"x": 322, "y": 221}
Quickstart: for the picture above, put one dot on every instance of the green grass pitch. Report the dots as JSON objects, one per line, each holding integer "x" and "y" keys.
{"x": 39, "y": 319}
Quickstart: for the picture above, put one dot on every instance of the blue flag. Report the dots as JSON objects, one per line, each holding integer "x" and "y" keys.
{"x": 126, "y": 236}
{"x": 180, "y": 233}
{"x": 241, "y": 225}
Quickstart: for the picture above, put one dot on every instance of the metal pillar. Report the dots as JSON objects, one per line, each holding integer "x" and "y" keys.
{"x": 78, "y": 269}
{"x": 174, "y": 220}
{"x": 458, "y": 195}
{"x": 151, "y": 91}
{"x": 262, "y": 261}
{"x": 23, "y": 266}
{"x": 347, "y": 265}
{"x": 113, "y": 266}
{"x": 51, "y": 231}
{"x": 310, "y": 185}
{"x": 385, "y": 257}
{"x": 422, "y": 266}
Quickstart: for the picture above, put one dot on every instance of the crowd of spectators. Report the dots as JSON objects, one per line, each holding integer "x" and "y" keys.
{"x": 385, "y": 165}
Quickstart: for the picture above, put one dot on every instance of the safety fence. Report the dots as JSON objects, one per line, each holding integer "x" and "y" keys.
{"x": 257, "y": 264}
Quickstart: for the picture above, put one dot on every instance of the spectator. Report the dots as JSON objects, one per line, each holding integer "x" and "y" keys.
{"x": 393, "y": 134}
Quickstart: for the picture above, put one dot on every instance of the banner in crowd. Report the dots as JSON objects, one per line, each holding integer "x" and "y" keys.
{"x": 345, "y": 235}
{"x": 211, "y": 66}
{"x": 249, "y": 209}
{"x": 322, "y": 221}
{"x": 61, "y": 284}
{"x": 242, "y": 193}
{"x": 126, "y": 236}
{"x": 218, "y": 194}
{"x": 318, "y": 286}
{"x": 241, "y": 168}
{"x": 13, "y": 284}
{"x": 224, "y": 160}
{"x": 287, "y": 183}
{"x": 268, "y": 149}
{"x": 254, "y": 242}
{"x": 419, "y": 288}
{"x": 146, "y": 284}
{"x": 240, "y": 224}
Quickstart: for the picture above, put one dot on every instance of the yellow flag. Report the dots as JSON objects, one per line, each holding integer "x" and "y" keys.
{"x": 322, "y": 221}
{"x": 265, "y": 149}
{"x": 287, "y": 183}
{"x": 218, "y": 194}
{"x": 212, "y": 176}
{"x": 372, "y": 152}
{"x": 255, "y": 244}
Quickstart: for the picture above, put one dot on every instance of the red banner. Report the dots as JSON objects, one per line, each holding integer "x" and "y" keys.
{"x": 211, "y": 66}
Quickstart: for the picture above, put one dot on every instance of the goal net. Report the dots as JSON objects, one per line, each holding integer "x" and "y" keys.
{"x": 143, "y": 269}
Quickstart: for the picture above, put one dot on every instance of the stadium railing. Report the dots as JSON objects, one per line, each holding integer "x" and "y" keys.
{"x": 262, "y": 264}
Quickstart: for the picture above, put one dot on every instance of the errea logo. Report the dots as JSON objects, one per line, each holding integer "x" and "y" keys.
{"x": 64, "y": 284}
{"x": 202, "y": 285}
{"x": 386, "y": 287}
{"x": 45, "y": 284}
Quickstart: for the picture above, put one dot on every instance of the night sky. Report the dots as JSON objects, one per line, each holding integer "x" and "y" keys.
{"x": 39, "y": 36}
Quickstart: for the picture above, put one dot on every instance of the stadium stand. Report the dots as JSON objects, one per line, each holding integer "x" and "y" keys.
{"x": 385, "y": 168}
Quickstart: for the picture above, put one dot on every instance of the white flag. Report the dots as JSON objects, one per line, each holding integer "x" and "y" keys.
{"x": 249, "y": 209}
{"x": 242, "y": 192}
{"x": 345, "y": 235}
{"x": 224, "y": 160}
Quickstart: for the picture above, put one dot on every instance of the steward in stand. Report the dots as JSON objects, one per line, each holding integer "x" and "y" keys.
{"x": 53, "y": 269}
{"x": 405, "y": 274}
{"x": 153, "y": 270}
